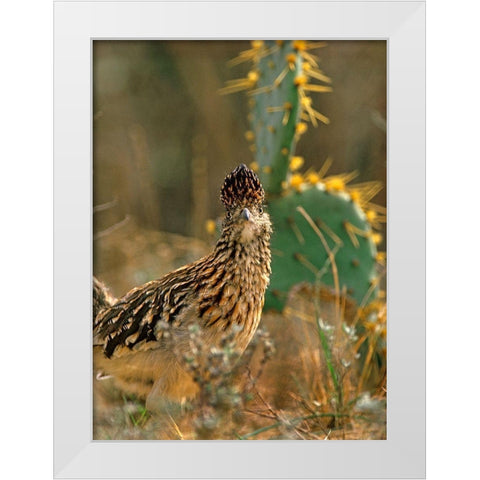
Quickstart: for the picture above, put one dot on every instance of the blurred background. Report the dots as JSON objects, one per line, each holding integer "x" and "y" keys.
{"x": 163, "y": 140}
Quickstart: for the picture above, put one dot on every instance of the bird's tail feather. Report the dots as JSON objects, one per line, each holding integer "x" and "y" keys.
{"x": 102, "y": 298}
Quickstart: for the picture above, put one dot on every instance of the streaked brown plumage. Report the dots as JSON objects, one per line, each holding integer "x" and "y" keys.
{"x": 101, "y": 297}
{"x": 142, "y": 338}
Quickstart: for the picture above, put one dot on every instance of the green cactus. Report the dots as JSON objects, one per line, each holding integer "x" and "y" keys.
{"x": 326, "y": 223}
{"x": 321, "y": 230}
{"x": 275, "y": 114}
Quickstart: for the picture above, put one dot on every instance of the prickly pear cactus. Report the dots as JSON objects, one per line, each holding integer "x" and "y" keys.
{"x": 274, "y": 107}
{"x": 323, "y": 229}
{"x": 312, "y": 228}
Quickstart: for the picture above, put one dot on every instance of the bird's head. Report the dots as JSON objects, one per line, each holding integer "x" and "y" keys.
{"x": 243, "y": 196}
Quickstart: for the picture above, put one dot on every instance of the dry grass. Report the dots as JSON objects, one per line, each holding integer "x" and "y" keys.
{"x": 311, "y": 372}
{"x": 311, "y": 385}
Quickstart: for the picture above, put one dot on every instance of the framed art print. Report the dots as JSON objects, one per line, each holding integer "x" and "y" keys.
{"x": 239, "y": 228}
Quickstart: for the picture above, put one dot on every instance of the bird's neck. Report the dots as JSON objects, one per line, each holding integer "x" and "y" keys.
{"x": 255, "y": 252}
{"x": 244, "y": 264}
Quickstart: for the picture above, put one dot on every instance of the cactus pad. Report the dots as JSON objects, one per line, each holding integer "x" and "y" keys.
{"x": 275, "y": 113}
{"x": 299, "y": 254}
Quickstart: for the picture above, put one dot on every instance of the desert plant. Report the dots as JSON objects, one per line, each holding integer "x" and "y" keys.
{"x": 324, "y": 229}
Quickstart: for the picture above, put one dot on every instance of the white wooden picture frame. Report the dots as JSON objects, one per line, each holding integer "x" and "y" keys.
{"x": 402, "y": 24}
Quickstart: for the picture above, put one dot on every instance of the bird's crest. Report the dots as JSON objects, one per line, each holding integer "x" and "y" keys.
{"x": 242, "y": 186}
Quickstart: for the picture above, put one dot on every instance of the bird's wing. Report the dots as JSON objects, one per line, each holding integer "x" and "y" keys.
{"x": 136, "y": 320}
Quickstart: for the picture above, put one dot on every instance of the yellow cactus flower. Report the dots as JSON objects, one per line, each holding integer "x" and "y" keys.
{"x": 300, "y": 128}
{"x": 210, "y": 226}
{"x": 306, "y": 102}
{"x": 257, "y": 44}
{"x": 295, "y": 163}
{"x": 371, "y": 215}
{"x": 376, "y": 238}
{"x": 291, "y": 58}
{"x": 313, "y": 178}
{"x": 296, "y": 181}
{"x": 250, "y": 136}
{"x": 355, "y": 196}
{"x": 240, "y": 84}
{"x": 300, "y": 80}
{"x": 299, "y": 44}
{"x": 253, "y": 77}
{"x": 335, "y": 184}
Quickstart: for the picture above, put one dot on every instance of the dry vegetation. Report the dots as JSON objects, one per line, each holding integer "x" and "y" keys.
{"x": 314, "y": 371}
{"x": 162, "y": 145}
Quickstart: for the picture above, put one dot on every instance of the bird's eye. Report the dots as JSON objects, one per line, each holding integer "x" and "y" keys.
{"x": 260, "y": 210}
{"x": 229, "y": 215}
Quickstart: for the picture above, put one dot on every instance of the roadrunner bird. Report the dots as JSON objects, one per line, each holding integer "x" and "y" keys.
{"x": 142, "y": 339}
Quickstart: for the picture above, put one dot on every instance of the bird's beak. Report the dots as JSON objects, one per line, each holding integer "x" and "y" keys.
{"x": 246, "y": 214}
